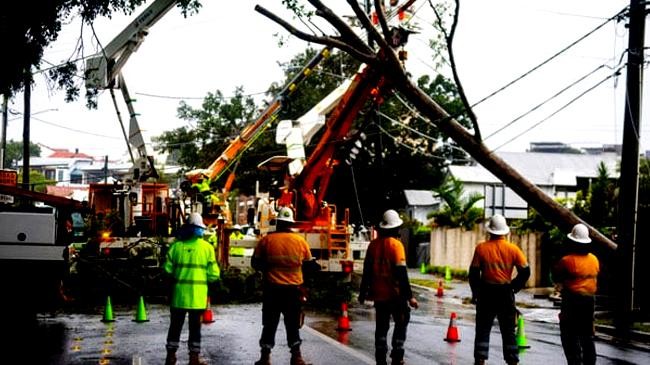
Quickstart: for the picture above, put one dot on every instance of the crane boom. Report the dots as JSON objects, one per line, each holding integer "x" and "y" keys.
{"x": 103, "y": 68}
{"x": 311, "y": 184}
{"x": 248, "y": 134}
{"x": 104, "y": 71}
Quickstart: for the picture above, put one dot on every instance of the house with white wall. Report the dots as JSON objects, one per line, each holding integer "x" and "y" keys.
{"x": 560, "y": 175}
{"x": 419, "y": 203}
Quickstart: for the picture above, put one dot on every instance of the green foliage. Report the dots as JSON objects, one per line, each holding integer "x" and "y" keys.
{"x": 459, "y": 274}
{"x": 29, "y": 26}
{"x": 601, "y": 201}
{"x": 644, "y": 185}
{"x": 14, "y": 152}
{"x": 237, "y": 286}
{"x": 217, "y": 122}
{"x": 37, "y": 181}
{"x": 458, "y": 211}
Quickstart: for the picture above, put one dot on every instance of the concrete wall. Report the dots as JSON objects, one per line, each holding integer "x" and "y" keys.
{"x": 455, "y": 247}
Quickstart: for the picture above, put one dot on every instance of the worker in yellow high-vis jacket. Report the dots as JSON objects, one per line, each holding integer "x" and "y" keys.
{"x": 191, "y": 263}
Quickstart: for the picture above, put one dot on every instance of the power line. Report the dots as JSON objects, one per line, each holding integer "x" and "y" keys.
{"x": 195, "y": 97}
{"x": 616, "y": 16}
{"x": 544, "y": 102}
{"x": 560, "y": 109}
{"x": 73, "y": 129}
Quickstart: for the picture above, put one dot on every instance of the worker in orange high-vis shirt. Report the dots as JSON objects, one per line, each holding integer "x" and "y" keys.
{"x": 493, "y": 289}
{"x": 577, "y": 273}
{"x": 280, "y": 256}
{"x": 385, "y": 281}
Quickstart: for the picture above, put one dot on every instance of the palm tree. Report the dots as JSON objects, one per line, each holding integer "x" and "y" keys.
{"x": 458, "y": 210}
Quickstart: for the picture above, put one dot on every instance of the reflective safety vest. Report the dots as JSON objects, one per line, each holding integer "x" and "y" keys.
{"x": 237, "y": 251}
{"x": 211, "y": 237}
{"x": 192, "y": 264}
{"x": 203, "y": 185}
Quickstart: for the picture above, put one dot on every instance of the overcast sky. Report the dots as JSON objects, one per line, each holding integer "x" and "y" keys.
{"x": 228, "y": 44}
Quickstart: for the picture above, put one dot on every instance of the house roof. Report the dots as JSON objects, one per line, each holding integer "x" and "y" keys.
{"x": 64, "y": 153}
{"x": 54, "y": 161}
{"x": 543, "y": 168}
{"x": 420, "y": 197}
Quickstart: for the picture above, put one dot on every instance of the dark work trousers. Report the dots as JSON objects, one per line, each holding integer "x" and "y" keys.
{"x": 496, "y": 301}
{"x": 399, "y": 310}
{"x": 176, "y": 325}
{"x": 577, "y": 328}
{"x": 285, "y": 300}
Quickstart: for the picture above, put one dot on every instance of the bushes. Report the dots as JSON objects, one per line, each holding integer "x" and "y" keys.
{"x": 459, "y": 274}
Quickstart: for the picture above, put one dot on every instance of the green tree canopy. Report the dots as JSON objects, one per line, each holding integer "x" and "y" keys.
{"x": 28, "y": 26}
{"x": 14, "y": 152}
{"x": 37, "y": 181}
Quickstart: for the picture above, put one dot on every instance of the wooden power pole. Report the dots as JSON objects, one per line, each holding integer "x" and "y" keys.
{"x": 629, "y": 181}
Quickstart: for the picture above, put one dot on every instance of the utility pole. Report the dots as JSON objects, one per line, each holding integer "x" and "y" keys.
{"x": 27, "y": 81}
{"x": 5, "y": 120}
{"x": 629, "y": 182}
{"x": 106, "y": 169}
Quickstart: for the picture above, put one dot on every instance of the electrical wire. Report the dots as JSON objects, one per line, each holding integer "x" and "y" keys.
{"x": 195, "y": 97}
{"x": 396, "y": 140}
{"x": 356, "y": 195}
{"x": 544, "y": 102}
{"x": 73, "y": 129}
{"x": 527, "y": 73}
{"x": 615, "y": 73}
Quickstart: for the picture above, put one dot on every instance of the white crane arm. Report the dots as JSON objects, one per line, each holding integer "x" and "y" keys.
{"x": 102, "y": 68}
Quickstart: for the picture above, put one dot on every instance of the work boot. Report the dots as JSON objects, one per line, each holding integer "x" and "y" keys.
{"x": 380, "y": 357}
{"x": 171, "y": 357}
{"x": 265, "y": 358}
{"x": 296, "y": 357}
{"x": 397, "y": 357}
{"x": 195, "y": 360}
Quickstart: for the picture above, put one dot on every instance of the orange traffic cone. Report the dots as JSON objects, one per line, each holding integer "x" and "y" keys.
{"x": 452, "y": 331}
{"x": 344, "y": 321}
{"x": 440, "y": 291}
{"x": 207, "y": 316}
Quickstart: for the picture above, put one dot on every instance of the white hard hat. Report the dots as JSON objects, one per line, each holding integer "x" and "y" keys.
{"x": 285, "y": 214}
{"x": 196, "y": 220}
{"x": 390, "y": 220}
{"x": 497, "y": 225}
{"x": 580, "y": 234}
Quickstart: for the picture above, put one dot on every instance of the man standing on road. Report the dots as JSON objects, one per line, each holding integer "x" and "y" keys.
{"x": 577, "y": 272}
{"x": 191, "y": 264}
{"x": 493, "y": 291}
{"x": 280, "y": 256}
{"x": 385, "y": 281}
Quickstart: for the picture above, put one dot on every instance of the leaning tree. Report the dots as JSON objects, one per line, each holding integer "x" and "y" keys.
{"x": 386, "y": 59}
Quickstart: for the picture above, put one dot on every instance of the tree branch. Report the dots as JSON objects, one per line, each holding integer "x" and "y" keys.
{"x": 327, "y": 41}
{"x": 346, "y": 32}
{"x": 366, "y": 24}
{"x": 381, "y": 16}
{"x": 449, "y": 38}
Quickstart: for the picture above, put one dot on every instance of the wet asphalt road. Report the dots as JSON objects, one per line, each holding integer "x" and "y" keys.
{"x": 232, "y": 339}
